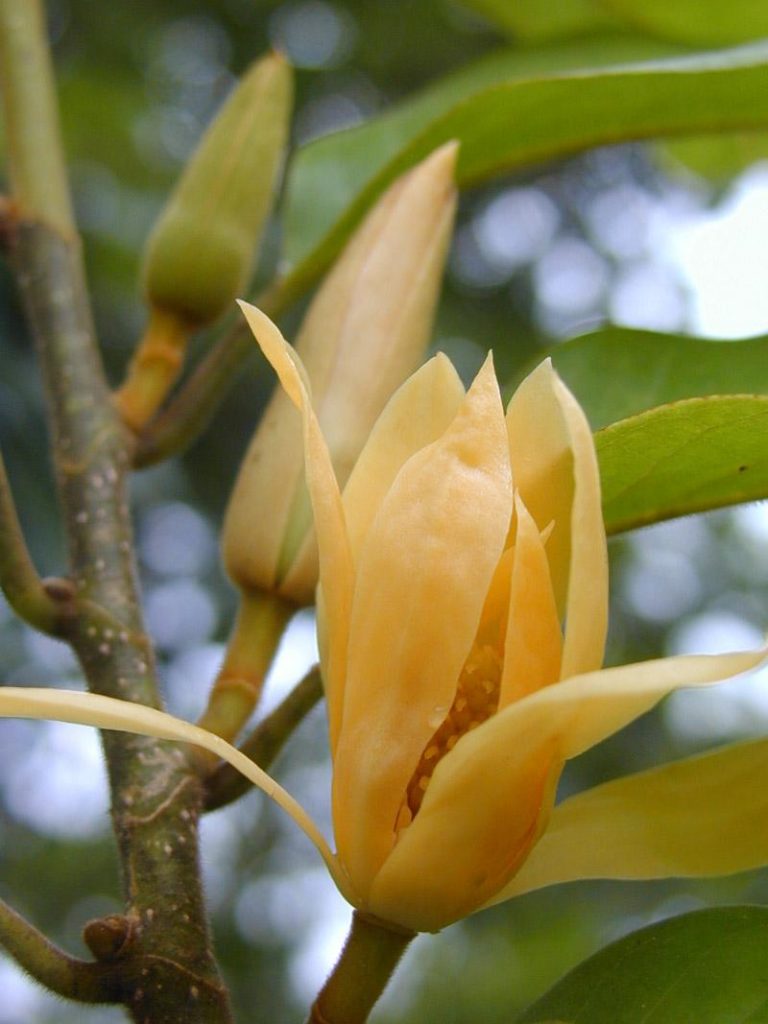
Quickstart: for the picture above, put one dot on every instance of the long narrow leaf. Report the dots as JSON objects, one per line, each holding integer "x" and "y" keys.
{"x": 521, "y": 122}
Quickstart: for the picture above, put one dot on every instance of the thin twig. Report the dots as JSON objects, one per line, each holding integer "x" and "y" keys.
{"x": 49, "y": 609}
{"x": 83, "y": 980}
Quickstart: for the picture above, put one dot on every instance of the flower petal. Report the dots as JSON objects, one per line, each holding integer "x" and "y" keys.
{"x": 582, "y": 711}
{"x": 498, "y": 782}
{"x": 332, "y": 540}
{"x": 422, "y": 578}
{"x": 542, "y": 464}
{"x": 465, "y": 842}
{"x": 555, "y": 470}
{"x": 124, "y": 716}
{"x": 706, "y": 815}
{"x": 533, "y": 645}
{"x": 418, "y": 413}
{"x": 587, "y": 607}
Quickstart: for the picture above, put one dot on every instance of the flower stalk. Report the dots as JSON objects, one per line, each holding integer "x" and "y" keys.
{"x": 225, "y": 784}
{"x": 191, "y": 408}
{"x": 259, "y": 625}
{"x": 369, "y": 958}
{"x": 155, "y": 366}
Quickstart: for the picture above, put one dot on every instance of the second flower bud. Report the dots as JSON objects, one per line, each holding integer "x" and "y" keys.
{"x": 365, "y": 332}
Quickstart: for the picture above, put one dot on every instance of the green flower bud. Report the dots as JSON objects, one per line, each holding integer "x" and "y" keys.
{"x": 200, "y": 253}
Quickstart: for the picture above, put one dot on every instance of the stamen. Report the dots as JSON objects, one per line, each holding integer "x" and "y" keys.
{"x": 476, "y": 699}
{"x": 404, "y": 818}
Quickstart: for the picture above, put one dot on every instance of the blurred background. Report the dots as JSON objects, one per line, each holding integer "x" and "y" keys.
{"x": 630, "y": 234}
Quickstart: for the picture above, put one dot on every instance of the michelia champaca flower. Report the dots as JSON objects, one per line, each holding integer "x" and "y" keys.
{"x": 462, "y": 611}
{"x": 464, "y": 540}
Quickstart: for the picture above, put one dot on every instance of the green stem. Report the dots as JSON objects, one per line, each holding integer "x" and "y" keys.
{"x": 225, "y": 784}
{"x": 33, "y": 137}
{"x": 368, "y": 960}
{"x": 260, "y": 622}
{"x": 153, "y": 370}
{"x": 190, "y": 411}
{"x": 47, "y": 608}
{"x": 82, "y": 980}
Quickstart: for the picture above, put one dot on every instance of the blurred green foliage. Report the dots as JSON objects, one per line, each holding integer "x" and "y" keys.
{"x": 138, "y": 83}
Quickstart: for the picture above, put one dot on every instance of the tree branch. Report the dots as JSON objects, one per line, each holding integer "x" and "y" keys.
{"x": 155, "y": 789}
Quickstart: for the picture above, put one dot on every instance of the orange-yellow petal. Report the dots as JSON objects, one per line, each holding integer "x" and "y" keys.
{"x": 706, "y": 815}
{"x": 493, "y": 621}
{"x": 498, "y": 781}
{"x": 542, "y": 464}
{"x": 581, "y": 711}
{"x": 533, "y": 644}
{"x": 125, "y": 716}
{"x": 465, "y": 843}
{"x": 333, "y": 543}
{"x": 419, "y": 412}
{"x": 422, "y": 577}
{"x": 555, "y": 469}
{"x": 587, "y": 603}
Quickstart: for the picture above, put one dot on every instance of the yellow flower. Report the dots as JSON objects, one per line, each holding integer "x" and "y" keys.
{"x": 462, "y": 610}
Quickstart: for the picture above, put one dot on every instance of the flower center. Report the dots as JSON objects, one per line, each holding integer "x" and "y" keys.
{"x": 477, "y": 698}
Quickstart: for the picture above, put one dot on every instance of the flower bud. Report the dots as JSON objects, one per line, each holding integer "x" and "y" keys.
{"x": 200, "y": 253}
{"x": 365, "y": 332}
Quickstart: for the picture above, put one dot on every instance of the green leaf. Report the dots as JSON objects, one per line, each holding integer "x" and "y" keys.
{"x": 513, "y": 124}
{"x": 681, "y": 422}
{"x": 690, "y": 456}
{"x": 718, "y": 157}
{"x": 617, "y": 372}
{"x": 703, "y": 22}
{"x": 708, "y": 967}
{"x": 327, "y": 174}
{"x": 532, "y": 19}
